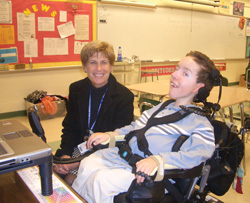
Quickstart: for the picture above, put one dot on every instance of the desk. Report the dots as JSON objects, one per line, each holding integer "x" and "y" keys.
{"x": 231, "y": 96}
{"x": 127, "y": 73}
{"x": 157, "y": 88}
{"x": 13, "y": 189}
{"x": 10, "y": 191}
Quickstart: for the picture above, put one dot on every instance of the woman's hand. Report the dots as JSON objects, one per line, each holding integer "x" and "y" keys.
{"x": 146, "y": 166}
{"x": 97, "y": 138}
{"x": 65, "y": 168}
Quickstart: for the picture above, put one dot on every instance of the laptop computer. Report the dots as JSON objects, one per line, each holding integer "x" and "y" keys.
{"x": 19, "y": 146}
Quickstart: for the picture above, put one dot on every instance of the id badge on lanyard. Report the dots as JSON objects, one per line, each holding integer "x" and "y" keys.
{"x": 90, "y": 128}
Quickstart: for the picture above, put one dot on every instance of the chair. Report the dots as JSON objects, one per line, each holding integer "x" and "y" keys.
{"x": 216, "y": 175}
{"x": 145, "y": 104}
{"x": 192, "y": 174}
{"x": 149, "y": 71}
{"x": 247, "y": 76}
{"x": 224, "y": 81}
{"x": 186, "y": 180}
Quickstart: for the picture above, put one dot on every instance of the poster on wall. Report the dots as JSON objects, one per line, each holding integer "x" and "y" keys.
{"x": 225, "y": 6}
{"x": 238, "y": 8}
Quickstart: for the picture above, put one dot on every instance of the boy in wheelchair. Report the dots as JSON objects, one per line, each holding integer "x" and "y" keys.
{"x": 150, "y": 139}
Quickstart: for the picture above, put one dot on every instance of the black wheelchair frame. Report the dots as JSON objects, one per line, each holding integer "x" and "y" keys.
{"x": 185, "y": 180}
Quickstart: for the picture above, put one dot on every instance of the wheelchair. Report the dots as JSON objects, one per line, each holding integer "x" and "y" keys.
{"x": 190, "y": 185}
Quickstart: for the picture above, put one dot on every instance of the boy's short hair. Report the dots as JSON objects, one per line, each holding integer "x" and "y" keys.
{"x": 97, "y": 46}
{"x": 207, "y": 66}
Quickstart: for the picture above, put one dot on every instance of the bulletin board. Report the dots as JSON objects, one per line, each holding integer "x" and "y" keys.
{"x": 51, "y": 9}
{"x": 169, "y": 33}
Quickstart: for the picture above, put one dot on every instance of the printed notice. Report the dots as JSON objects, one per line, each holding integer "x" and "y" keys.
{"x": 66, "y": 29}
{"x": 46, "y": 24}
{"x": 82, "y": 27}
{"x": 30, "y": 48}
{"x": 55, "y": 46}
{"x": 5, "y": 12}
{"x": 78, "y": 46}
{"x": 63, "y": 16}
{"x": 25, "y": 26}
{"x": 7, "y": 34}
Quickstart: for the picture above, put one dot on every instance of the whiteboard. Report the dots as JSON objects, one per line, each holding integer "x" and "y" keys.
{"x": 169, "y": 34}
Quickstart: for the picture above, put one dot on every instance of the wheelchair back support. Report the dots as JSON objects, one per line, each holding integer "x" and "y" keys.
{"x": 225, "y": 160}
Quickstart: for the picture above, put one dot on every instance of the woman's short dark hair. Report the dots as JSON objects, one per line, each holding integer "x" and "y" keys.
{"x": 97, "y": 46}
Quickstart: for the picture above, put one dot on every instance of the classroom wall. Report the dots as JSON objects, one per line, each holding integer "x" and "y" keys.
{"x": 16, "y": 85}
{"x": 234, "y": 68}
{"x": 169, "y": 33}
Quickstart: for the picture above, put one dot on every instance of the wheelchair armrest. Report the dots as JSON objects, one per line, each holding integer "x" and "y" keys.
{"x": 184, "y": 173}
{"x": 119, "y": 139}
{"x": 58, "y": 160}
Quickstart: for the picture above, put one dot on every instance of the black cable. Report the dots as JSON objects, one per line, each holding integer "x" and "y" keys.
{"x": 219, "y": 97}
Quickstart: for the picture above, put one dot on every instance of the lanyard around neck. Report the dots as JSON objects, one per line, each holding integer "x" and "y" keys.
{"x": 89, "y": 110}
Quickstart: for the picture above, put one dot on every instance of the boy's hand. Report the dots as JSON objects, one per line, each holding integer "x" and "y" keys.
{"x": 146, "y": 166}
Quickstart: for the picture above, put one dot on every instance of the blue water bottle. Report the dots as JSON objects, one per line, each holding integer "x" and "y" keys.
{"x": 119, "y": 56}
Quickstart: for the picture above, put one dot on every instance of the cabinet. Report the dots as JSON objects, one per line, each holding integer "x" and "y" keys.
{"x": 127, "y": 73}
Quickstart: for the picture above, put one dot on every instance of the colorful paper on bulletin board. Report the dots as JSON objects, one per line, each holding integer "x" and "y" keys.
{"x": 7, "y": 35}
{"x": 8, "y": 55}
{"x": 248, "y": 48}
{"x": 51, "y": 9}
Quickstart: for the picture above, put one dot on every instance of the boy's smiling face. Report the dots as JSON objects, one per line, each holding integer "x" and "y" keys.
{"x": 183, "y": 82}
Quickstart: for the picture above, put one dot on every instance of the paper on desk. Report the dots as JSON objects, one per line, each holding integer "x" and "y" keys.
{"x": 61, "y": 193}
